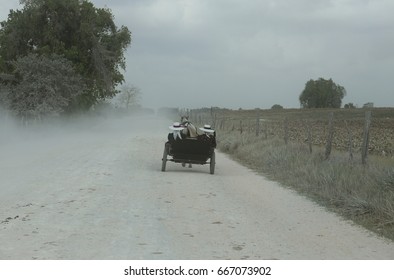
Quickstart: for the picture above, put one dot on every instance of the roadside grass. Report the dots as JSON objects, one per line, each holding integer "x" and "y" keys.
{"x": 363, "y": 194}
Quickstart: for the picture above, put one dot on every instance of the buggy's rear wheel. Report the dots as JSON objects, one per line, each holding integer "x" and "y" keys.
{"x": 164, "y": 159}
{"x": 212, "y": 163}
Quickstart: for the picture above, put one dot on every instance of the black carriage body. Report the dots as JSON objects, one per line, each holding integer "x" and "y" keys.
{"x": 190, "y": 151}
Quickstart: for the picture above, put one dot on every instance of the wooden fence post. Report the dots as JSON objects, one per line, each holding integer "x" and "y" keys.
{"x": 257, "y": 125}
{"x": 350, "y": 141}
{"x": 309, "y": 136}
{"x": 222, "y": 124}
{"x": 330, "y": 135}
{"x": 364, "y": 148}
{"x": 286, "y": 129}
{"x": 213, "y": 117}
{"x": 265, "y": 130}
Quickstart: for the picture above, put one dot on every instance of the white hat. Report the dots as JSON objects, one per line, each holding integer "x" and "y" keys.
{"x": 207, "y": 128}
{"x": 176, "y": 126}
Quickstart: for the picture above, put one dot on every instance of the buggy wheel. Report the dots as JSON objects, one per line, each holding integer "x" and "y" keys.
{"x": 212, "y": 163}
{"x": 164, "y": 159}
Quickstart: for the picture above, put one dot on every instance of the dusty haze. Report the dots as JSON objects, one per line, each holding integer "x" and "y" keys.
{"x": 91, "y": 188}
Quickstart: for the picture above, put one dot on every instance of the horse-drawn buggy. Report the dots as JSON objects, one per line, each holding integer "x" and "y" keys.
{"x": 198, "y": 148}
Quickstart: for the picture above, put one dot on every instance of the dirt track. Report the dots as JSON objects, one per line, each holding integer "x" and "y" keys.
{"x": 97, "y": 192}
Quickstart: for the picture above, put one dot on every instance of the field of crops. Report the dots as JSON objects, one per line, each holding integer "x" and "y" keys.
{"x": 348, "y": 125}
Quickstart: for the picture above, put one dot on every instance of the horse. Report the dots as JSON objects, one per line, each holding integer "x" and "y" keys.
{"x": 191, "y": 129}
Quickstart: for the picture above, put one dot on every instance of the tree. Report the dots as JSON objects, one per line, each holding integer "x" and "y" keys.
{"x": 368, "y": 105}
{"x": 277, "y": 107}
{"x": 129, "y": 96}
{"x": 45, "y": 85}
{"x": 85, "y": 35}
{"x": 349, "y": 106}
{"x": 322, "y": 94}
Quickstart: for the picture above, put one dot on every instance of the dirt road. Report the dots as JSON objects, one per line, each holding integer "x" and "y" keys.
{"x": 96, "y": 192}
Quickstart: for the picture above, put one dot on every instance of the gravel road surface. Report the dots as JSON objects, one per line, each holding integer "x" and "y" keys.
{"x": 95, "y": 191}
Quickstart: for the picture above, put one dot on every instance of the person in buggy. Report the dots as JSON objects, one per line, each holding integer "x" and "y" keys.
{"x": 178, "y": 132}
{"x": 208, "y": 135}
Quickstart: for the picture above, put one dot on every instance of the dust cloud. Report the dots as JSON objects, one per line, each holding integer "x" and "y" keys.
{"x": 21, "y": 143}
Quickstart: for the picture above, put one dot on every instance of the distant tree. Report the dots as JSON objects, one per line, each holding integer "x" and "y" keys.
{"x": 368, "y": 105}
{"x": 75, "y": 29}
{"x": 349, "y": 106}
{"x": 45, "y": 85}
{"x": 129, "y": 96}
{"x": 276, "y": 107}
{"x": 322, "y": 94}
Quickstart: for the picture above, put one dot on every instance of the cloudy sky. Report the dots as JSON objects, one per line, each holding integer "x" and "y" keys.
{"x": 254, "y": 53}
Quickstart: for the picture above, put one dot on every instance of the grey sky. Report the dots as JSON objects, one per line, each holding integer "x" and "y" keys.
{"x": 254, "y": 53}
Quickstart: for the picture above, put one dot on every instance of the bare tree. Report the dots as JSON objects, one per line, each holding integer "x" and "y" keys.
{"x": 129, "y": 96}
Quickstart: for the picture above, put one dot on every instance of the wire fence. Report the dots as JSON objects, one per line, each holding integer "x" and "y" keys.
{"x": 364, "y": 135}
